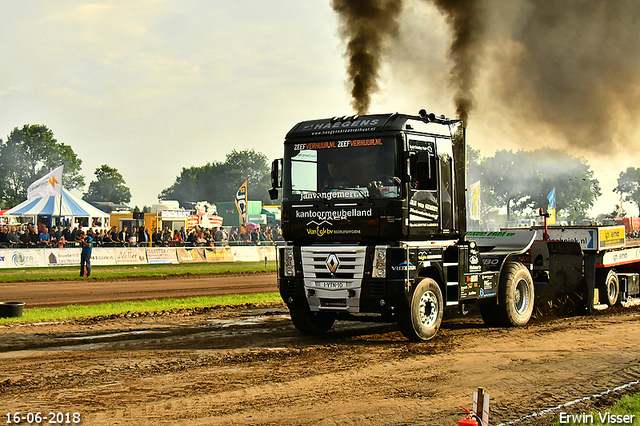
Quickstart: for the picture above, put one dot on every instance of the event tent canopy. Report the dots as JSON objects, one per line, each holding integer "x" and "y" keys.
{"x": 51, "y": 206}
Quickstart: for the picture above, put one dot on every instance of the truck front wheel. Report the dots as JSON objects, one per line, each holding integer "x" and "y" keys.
{"x": 421, "y": 320}
{"x": 516, "y": 294}
{"x": 312, "y": 322}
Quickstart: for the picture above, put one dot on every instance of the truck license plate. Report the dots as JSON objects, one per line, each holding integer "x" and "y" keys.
{"x": 331, "y": 284}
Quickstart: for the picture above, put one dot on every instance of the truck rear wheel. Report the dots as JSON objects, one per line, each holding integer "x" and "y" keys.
{"x": 421, "y": 321}
{"x": 314, "y": 323}
{"x": 491, "y": 315}
{"x": 516, "y": 294}
{"x": 610, "y": 288}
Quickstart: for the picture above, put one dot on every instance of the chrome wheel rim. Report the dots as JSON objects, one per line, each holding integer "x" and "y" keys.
{"x": 428, "y": 309}
{"x": 522, "y": 296}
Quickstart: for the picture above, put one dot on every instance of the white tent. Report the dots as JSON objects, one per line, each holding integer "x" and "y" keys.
{"x": 66, "y": 205}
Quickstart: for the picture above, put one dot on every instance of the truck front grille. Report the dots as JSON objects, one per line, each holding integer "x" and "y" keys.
{"x": 333, "y": 262}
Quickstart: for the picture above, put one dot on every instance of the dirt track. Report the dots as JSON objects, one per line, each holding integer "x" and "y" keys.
{"x": 249, "y": 366}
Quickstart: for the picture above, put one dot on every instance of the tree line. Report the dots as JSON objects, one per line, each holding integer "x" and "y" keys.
{"x": 32, "y": 151}
{"x": 516, "y": 180}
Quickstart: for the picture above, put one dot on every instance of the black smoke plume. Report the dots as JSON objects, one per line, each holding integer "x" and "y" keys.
{"x": 465, "y": 19}
{"x": 575, "y": 65}
{"x": 366, "y": 25}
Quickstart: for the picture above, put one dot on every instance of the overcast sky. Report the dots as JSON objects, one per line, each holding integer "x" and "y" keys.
{"x": 152, "y": 86}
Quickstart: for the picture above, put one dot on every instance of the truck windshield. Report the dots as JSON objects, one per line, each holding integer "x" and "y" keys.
{"x": 345, "y": 169}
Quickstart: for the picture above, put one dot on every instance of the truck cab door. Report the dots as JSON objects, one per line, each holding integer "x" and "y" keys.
{"x": 431, "y": 188}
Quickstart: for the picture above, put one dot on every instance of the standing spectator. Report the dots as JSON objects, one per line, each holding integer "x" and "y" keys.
{"x": 4, "y": 239}
{"x": 25, "y": 238}
{"x": 74, "y": 234}
{"x": 66, "y": 232}
{"x": 177, "y": 238}
{"x": 12, "y": 236}
{"x": 220, "y": 236}
{"x": 143, "y": 236}
{"x": 86, "y": 241}
{"x": 123, "y": 235}
{"x": 34, "y": 234}
{"x": 43, "y": 238}
{"x": 156, "y": 237}
{"x": 97, "y": 237}
{"x": 133, "y": 237}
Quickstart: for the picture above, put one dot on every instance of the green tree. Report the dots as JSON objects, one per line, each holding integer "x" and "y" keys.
{"x": 629, "y": 186}
{"x": 576, "y": 188}
{"x": 521, "y": 181}
{"x": 108, "y": 186}
{"x": 508, "y": 178}
{"x": 30, "y": 153}
{"x": 219, "y": 181}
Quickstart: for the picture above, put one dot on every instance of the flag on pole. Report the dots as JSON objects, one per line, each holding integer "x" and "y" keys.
{"x": 241, "y": 205}
{"x": 552, "y": 207}
{"x": 49, "y": 184}
{"x": 474, "y": 213}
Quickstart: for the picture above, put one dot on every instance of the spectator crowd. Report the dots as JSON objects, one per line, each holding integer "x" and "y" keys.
{"x": 28, "y": 236}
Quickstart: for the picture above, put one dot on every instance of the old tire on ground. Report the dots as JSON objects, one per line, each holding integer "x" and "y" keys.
{"x": 516, "y": 295}
{"x": 312, "y": 322}
{"x": 609, "y": 288}
{"x": 422, "y": 319}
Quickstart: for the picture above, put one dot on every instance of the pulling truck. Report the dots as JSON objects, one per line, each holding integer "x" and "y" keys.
{"x": 374, "y": 219}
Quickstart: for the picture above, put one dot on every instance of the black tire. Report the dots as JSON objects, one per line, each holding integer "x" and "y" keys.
{"x": 610, "y": 289}
{"x": 491, "y": 314}
{"x": 516, "y": 295}
{"x": 312, "y": 322}
{"x": 421, "y": 320}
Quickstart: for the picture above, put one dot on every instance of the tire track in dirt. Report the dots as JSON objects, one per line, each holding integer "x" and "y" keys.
{"x": 250, "y": 366}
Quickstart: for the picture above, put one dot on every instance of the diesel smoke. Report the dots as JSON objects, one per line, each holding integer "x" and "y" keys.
{"x": 464, "y": 17}
{"x": 568, "y": 66}
{"x": 366, "y": 25}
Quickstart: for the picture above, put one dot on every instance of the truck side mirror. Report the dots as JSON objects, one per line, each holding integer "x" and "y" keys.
{"x": 276, "y": 178}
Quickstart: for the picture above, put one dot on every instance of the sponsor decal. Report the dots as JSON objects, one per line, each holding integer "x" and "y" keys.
{"x": 356, "y": 125}
{"x": 404, "y": 266}
{"x": 334, "y": 194}
{"x": 338, "y": 214}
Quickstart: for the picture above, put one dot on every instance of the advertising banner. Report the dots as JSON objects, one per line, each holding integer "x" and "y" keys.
{"x": 190, "y": 255}
{"x": 218, "y": 254}
{"x": 245, "y": 254}
{"x": 164, "y": 255}
{"x": 103, "y": 256}
{"x": 266, "y": 251}
{"x": 62, "y": 257}
{"x": 130, "y": 255}
{"x": 23, "y": 258}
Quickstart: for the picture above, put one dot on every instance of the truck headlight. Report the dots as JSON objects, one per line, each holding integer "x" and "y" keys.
{"x": 380, "y": 262}
{"x": 289, "y": 264}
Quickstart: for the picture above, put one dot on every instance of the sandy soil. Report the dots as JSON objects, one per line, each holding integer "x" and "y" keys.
{"x": 248, "y": 366}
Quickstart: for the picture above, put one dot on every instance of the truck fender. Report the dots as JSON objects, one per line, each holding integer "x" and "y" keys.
{"x": 427, "y": 269}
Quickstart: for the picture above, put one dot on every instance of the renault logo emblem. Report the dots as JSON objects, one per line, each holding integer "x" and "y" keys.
{"x": 332, "y": 263}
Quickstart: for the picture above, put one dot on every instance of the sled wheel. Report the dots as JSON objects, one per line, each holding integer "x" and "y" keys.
{"x": 611, "y": 287}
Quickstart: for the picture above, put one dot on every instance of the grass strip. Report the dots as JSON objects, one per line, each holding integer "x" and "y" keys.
{"x": 74, "y": 312}
{"x": 628, "y": 405}
{"x": 61, "y": 273}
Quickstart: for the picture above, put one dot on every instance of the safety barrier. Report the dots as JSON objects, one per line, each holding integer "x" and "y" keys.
{"x": 43, "y": 257}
